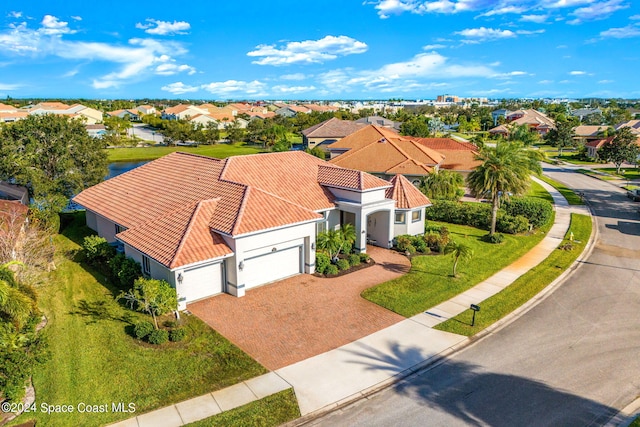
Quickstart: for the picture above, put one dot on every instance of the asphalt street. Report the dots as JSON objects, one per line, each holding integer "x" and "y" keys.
{"x": 572, "y": 360}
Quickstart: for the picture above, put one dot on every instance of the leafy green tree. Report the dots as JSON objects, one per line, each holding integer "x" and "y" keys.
{"x": 443, "y": 185}
{"x": 623, "y": 148}
{"x": 234, "y": 132}
{"x": 562, "y": 136}
{"x": 316, "y": 151}
{"x": 53, "y": 157}
{"x": 416, "y": 126}
{"x": 505, "y": 170}
{"x": 524, "y": 134}
{"x": 15, "y": 306}
{"x": 459, "y": 251}
{"x": 117, "y": 126}
{"x": 152, "y": 296}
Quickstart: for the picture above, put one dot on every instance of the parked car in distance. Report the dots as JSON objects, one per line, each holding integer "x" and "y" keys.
{"x": 634, "y": 194}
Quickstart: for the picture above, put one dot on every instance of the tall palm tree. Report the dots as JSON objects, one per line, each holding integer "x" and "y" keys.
{"x": 459, "y": 251}
{"x": 505, "y": 170}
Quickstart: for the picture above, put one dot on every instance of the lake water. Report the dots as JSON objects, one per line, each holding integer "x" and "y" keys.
{"x": 118, "y": 168}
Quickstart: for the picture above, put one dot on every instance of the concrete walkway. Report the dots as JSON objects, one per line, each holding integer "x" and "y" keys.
{"x": 348, "y": 373}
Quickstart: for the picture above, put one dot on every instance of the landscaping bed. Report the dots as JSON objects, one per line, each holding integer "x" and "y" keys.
{"x": 527, "y": 285}
{"x": 95, "y": 361}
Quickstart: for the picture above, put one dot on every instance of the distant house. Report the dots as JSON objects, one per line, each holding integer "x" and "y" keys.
{"x": 89, "y": 116}
{"x": 14, "y": 192}
{"x": 581, "y": 113}
{"x": 328, "y": 132}
{"x": 459, "y": 156}
{"x": 380, "y": 121}
{"x": 146, "y": 109}
{"x": 292, "y": 110}
{"x": 534, "y": 119}
{"x": 588, "y": 132}
{"x": 634, "y": 125}
{"x": 96, "y": 131}
{"x": 594, "y": 145}
{"x": 235, "y": 224}
{"x": 182, "y": 112}
{"x": 130, "y": 114}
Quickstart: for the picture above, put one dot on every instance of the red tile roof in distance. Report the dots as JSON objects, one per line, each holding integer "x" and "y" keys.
{"x": 406, "y": 195}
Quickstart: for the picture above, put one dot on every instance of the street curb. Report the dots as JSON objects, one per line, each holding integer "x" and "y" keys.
{"x": 626, "y": 415}
{"x": 439, "y": 358}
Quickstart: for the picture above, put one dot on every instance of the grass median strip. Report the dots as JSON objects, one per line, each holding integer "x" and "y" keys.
{"x": 527, "y": 285}
{"x": 568, "y": 194}
{"x": 270, "y": 411}
{"x": 429, "y": 281}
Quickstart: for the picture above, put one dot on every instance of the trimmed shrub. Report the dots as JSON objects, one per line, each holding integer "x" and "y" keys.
{"x": 538, "y": 212}
{"x": 158, "y": 336}
{"x": 410, "y": 249}
{"x": 177, "y": 334}
{"x": 322, "y": 262}
{"x": 96, "y": 249}
{"x": 419, "y": 243}
{"x": 495, "y": 238}
{"x": 124, "y": 271}
{"x": 343, "y": 264}
{"x": 354, "y": 259}
{"x": 331, "y": 270}
{"x": 403, "y": 241}
{"x": 511, "y": 224}
{"x": 364, "y": 257}
{"x": 143, "y": 329}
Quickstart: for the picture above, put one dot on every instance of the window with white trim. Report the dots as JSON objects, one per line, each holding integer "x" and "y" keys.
{"x": 416, "y": 215}
{"x": 401, "y": 217}
{"x": 146, "y": 265}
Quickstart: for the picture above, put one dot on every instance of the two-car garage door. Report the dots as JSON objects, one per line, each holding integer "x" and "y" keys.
{"x": 272, "y": 266}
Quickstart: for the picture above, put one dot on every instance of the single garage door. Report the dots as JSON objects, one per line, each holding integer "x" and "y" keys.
{"x": 272, "y": 266}
{"x": 202, "y": 282}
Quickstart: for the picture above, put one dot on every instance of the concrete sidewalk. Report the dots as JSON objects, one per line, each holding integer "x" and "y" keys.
{"x": 339, "y": 376}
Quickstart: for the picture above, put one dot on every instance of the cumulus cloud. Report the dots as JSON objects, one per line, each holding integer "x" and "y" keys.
{"x": 308, "y": 51}
{"x": 596, "y": 11}
{"x": 163, "y": 28}
{"x": 129, "y": 62}
{"x": 294, "y": 76}
{"x": 622, "y": 32}
{"x": 433, "y": 46}
{"x": 8, "y": 87}
{"x": 179, "y": 88}
{"x": 577, "y": 73}
{"x": 537, "y": 19}
{"x": 605, "y": 81}
{"x": 14, "y": 14}
{"x": 235, "y": 88}
{"x": 483, "y": 33}
{"x": 292, "y": 89}
{"x": 169, "y": 69}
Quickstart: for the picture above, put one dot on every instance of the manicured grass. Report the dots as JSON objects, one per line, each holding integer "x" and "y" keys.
{"x": 219, "y": 151}
{"x": 596, "y": 174}
{"x": 538, "y": 191}
{"x": 526, "y": 286}
{"x": 568, "y": 194}
{"x": 270, "y": 411}
{"x": 635, "y": 422}
{"x": 429, "y": 281}
{"x": 627, "y": 173}
{"x": 94, "y": 360}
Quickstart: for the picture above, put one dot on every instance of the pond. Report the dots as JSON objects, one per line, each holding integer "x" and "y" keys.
{"x": 118, "y": 168}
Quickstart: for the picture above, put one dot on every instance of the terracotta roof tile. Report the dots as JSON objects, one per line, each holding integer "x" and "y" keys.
{"x": 348, "y": 178}
{"x": 333, "y": 128}
{"x": 406, "y": 195}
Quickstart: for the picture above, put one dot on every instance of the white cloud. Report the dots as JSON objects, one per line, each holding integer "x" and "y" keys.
{"x": 292, "y": 89}
{"x": 171, "y": 69}
{"x": 308, "y": 51}
{"x": 179, "y": 88}
{"x": 433, "y": 46}
{"x": 76, "y": 18}
{"x": 163, "y": 28}
{"x": 235, "y": 88}
{"x": 538, "y": 19}
{"x": 490, "y": 92}
{"x": 503, "y": 10}
{"x": 545, "y": 82}
{"x": 622, "y": 32}
{"x": 295, "y": 76}
{"x": 14, "y": 14}
{"x": 634, "y": 17}
{"x": 394, "y": 7}
{"x": 8, "y": 87}
{"x": 130, "y": 62}
{"x": 603, "y": 82}
{"x": 483, "y": 33}
{"x": 577, "y": 73}
{"x": 596, "y": 11}
{"x": 53, "y": 26}
{"x": 529, "y": 32}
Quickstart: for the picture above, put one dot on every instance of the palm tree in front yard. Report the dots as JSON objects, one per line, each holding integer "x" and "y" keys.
{"x": 459, "y": 251}
{"x": 505, "y": 169}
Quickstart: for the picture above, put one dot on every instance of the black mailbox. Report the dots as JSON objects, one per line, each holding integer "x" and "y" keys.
{"x": 475, "y": 307}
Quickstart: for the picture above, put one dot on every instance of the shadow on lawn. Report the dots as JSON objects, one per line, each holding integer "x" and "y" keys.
{"x": 98, "y": 310}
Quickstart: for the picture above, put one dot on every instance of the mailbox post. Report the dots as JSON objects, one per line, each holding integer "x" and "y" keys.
{"x": 475, "y": 309}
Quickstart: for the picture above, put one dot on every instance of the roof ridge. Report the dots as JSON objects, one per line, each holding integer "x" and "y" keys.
{"x": 243, "y": 204}
{"x": 187, "y": 231}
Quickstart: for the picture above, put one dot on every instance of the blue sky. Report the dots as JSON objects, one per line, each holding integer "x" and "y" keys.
{"x": 322, "y": 49}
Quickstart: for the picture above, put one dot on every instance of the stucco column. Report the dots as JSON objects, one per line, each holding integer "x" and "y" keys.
{"x": 361, "y": 232}
{"x": 310, "y": 254}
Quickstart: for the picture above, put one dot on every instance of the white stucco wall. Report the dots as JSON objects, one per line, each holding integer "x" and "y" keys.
{"x": 92, "y": 220}
{"x": 104, "y": 227}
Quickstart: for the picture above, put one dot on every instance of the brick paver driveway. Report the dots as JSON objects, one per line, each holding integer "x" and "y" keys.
{"x": 302, "y": 316}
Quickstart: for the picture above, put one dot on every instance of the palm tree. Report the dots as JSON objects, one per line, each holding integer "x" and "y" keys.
{"x": 330, "y": 241}
{"x": 459, "y": 251}
{"x": 443, "y": 184}
{"x": 505, "y": 170}
{"x": 347, "y": 235}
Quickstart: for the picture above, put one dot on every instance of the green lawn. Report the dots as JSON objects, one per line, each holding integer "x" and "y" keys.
{"x": 94, "y": 361}
{"x": 219, "y": 151}
{"x": 429, "y": 281}
{"x": 271, "y": 411}
{"x": 526, "y": 286}
{"x": 570, "y": 156}
{"x": 627, "y": 173}
{"x": 568, "y": 194}
{"x": 538, "y": 191}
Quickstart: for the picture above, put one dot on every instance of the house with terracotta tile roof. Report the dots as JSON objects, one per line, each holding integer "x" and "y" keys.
{"x": 209, "y": 226}
{"x": 459, "y": 156}
{"x": 589, "y": 132}
{"x": 328, "y": 132}
{"x": 130, "y": 114}
{"x": 536, "y": 120}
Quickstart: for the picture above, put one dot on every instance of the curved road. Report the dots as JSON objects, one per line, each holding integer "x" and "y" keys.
{"x": 572, "y": 360}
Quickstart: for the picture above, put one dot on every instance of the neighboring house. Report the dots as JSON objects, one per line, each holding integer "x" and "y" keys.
{"x": 8, "y": 117}
{"x": 146, "y": 109}
{"x": 594, "y": 145}
{"x": 292, "y": 110}
{"x": 182, "y": 112}
{"x": 634, "y": 125}
{"x": 96, "y": 131}
{"x": 534, "y": 119}
{"x": 409, "y": 215}
{"x": 209, "y": 226}
{"x": 130, "y": 114}
{"x": 260, "y": 115}
{"x": 581, "y": 113}
{"x": 88, "y": 115}
{"x": 589, "y": 133}
{"x": 380, "y": 121}
{"x": 496, "y": 114}
{"x": 384, "y": 153}
{"x": 328, "y": 132}
{"x": 459, "y": 156}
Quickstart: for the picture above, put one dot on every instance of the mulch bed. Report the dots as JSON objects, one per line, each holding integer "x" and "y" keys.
{"x": 349, "y": 270}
